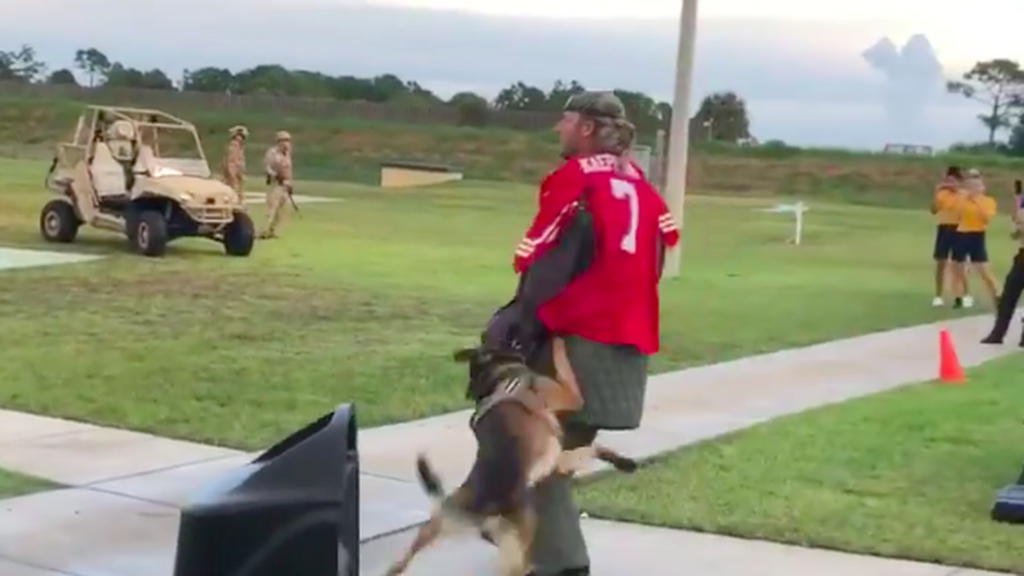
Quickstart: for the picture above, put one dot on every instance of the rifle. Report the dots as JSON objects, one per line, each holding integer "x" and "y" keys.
{"x": 1018, "y": 205}
{"x": 291, "y": 199}
{"x": 291, "y": 192}
{"x": 53, "y": 167}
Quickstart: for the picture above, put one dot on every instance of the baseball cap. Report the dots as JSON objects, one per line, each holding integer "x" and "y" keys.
{"x": 596, "y": 105}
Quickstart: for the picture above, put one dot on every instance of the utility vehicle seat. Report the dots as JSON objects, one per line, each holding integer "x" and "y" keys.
{"x": 108, "y": 176}
{"x": 145, "y": 161}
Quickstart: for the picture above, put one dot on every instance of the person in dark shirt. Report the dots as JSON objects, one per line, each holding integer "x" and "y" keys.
{"x": 1013, "y": 285}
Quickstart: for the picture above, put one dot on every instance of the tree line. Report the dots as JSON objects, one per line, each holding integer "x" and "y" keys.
{"x": 997, "y": 86}
{"x": 722, "y": 116}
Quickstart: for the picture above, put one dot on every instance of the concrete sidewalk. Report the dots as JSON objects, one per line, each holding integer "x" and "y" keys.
{"x": 619, "y": 549}
{"x": 11, "y": 258}
{"x": 260, "y": 197}
{"x": 120, "y": 516}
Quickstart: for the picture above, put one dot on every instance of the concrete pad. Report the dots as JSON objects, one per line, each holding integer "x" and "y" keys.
{"x": 89, "y": 533}
{"x": 459, "y": 555}
{"x": 119, "y": 539}
{"x": 260, "y": 197}
{"x": 172, "y": 486}
{"x": 97, "y": 454}
{"x": 390, "y": 451}
{"x": 386, "y": 505}
{"x": 18, "y": 258}
{"x": 701, "y": 403}
{"x": 8, "y": 568}
{"x": 98, "y": 532}
{"x": 664, "y": 434}
{"x": 618, "y": 549}
{"x": 18, "y": 427}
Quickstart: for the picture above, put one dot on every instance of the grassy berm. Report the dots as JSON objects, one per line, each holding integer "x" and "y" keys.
{"x": 344, "y": 148}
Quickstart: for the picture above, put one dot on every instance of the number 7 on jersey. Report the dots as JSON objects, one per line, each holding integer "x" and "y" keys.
{"x": 623, "y": 190}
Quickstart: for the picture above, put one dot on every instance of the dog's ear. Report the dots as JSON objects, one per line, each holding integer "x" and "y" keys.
{"x": 466, "y": 354}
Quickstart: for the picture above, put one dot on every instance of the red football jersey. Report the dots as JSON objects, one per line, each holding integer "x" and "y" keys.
{"x": 615, "y": 301}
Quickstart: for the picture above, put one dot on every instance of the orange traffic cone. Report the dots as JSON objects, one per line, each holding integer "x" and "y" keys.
{"x": 950, "y": 370}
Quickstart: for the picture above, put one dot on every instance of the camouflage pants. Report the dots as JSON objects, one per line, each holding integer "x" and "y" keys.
{"x": 613, "y": 381}
{"x": 277, "y": 198}
{"x": 558, "y": 542}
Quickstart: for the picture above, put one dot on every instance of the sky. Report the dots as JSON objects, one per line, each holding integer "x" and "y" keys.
{"x": 800, "y": 65}
{"x": 899, "y": 17}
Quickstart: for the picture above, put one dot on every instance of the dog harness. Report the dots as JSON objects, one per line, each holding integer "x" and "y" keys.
{"x": 514, "y": 389}
{"x": 500, "y": 394}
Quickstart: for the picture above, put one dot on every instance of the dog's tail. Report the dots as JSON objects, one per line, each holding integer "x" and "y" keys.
{"x": 618, "y": 461}
{"x": 429, "y": 479}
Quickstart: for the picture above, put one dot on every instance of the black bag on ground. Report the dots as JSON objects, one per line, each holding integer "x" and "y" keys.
{"x": 1009, "y": 505}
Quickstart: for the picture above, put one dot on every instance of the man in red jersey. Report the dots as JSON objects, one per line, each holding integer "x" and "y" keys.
{"x": 589, "y": 268}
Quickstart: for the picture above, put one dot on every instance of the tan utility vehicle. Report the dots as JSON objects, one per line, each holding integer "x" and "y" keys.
{"x": 141, "y": 173}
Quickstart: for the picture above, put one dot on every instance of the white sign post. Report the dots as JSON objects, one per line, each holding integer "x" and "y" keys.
{"x": 679, "y": 132}
{"x": 797, "y": 210}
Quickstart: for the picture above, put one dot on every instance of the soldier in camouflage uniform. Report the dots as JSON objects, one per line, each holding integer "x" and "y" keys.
{"x": 1013, "y": 285}
{"x": 277, "y": 163}
{"x": 233, "y": 165}
{"x": 612, "y": 377}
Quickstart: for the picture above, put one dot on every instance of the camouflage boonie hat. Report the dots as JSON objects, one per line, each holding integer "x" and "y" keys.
{"x": 282, "y": 135}
{"x": 121, "y": 130}
{"x": 597, "y": 105}
{"x": 239, "y": 130}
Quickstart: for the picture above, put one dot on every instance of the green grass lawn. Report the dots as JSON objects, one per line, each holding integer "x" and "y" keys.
{"x": 12, "y": 484}
{"x": 910, "y": 473}
{"x": 364, "y": 300}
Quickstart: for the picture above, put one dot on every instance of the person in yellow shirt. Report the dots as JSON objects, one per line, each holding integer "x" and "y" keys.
{"x": 976, "y": 210}
{"x": 946, "y": 220}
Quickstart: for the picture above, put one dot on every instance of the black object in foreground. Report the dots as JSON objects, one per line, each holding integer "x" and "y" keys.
{"x": 294, "y": 510}
{"x": 1009, "y": 506}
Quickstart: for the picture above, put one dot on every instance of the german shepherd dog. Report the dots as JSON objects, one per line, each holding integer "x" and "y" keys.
{"x": 519, "y": 443}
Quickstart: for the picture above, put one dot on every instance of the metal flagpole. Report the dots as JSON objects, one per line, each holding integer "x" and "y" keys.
{"x": 679, "y": 135}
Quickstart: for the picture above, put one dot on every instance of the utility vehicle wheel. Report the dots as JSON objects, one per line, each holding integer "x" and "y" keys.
{"x": 147, "y": 233}
{"x": 239, "y": 236}
{"x": 58, "y": 222}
